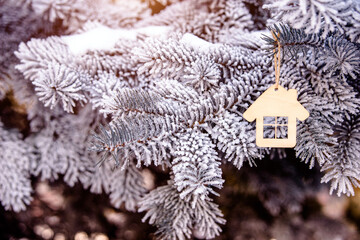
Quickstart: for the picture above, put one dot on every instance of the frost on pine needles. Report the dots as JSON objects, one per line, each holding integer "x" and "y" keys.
{"x": 59, "y": 84}
{"x": 17, "y": 159}
{"x": 117, "y": 83}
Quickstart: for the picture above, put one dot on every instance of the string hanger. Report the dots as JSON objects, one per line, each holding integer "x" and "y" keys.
{"x": 277, "y": 58}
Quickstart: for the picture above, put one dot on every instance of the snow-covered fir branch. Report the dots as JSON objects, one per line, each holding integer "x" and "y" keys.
{"x": 113, "y": 82}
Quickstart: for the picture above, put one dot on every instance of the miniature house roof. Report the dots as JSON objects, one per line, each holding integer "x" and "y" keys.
{"x": 280, "y": 102}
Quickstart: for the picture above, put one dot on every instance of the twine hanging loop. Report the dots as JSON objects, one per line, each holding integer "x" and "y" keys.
{"x": 277, "y": 58}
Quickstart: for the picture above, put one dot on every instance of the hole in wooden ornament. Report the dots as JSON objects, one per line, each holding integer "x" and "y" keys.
{"x": 276, "y": 89}
{"x": 275, "y": 127}
{"x": 281, "y": 132}
{"x": 269, "y": 132}
{"x": 282, "y": 120}
{"x": 269, "y": 120}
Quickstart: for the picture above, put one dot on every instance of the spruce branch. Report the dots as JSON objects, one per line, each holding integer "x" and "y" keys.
{"x": 314, "y": 16}
{"x": 196, "y": 165}
{"x": 292, "y": 41}
{"x": 126, "y": 187}
{"x": 232, "y": 134}
{"x": 174, "y": 216}
{"x": 17, "y": 158}
{"x": 343, "y": 171}
{"x": 333, "y": 55}
{"x": 59, "y": 84}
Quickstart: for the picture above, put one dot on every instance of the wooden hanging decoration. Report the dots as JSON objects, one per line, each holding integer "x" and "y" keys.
{"x": 276, "y": 111}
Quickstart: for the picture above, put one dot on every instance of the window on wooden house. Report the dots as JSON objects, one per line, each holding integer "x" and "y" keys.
{"x": 275, "y": 127}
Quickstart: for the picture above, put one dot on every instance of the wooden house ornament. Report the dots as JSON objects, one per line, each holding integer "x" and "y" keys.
{"x": 274, "y": 104}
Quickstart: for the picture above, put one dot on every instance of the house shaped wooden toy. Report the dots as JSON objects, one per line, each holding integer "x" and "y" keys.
{"x": 276, "y": 109}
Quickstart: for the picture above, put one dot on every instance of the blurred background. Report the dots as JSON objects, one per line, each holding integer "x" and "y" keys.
{"x": 261, "y": 203}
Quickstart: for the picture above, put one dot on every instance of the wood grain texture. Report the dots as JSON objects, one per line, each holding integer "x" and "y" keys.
{"x": 276, "y": 103}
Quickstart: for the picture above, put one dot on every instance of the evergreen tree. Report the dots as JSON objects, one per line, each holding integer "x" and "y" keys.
{"x": 123, "y": 84}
